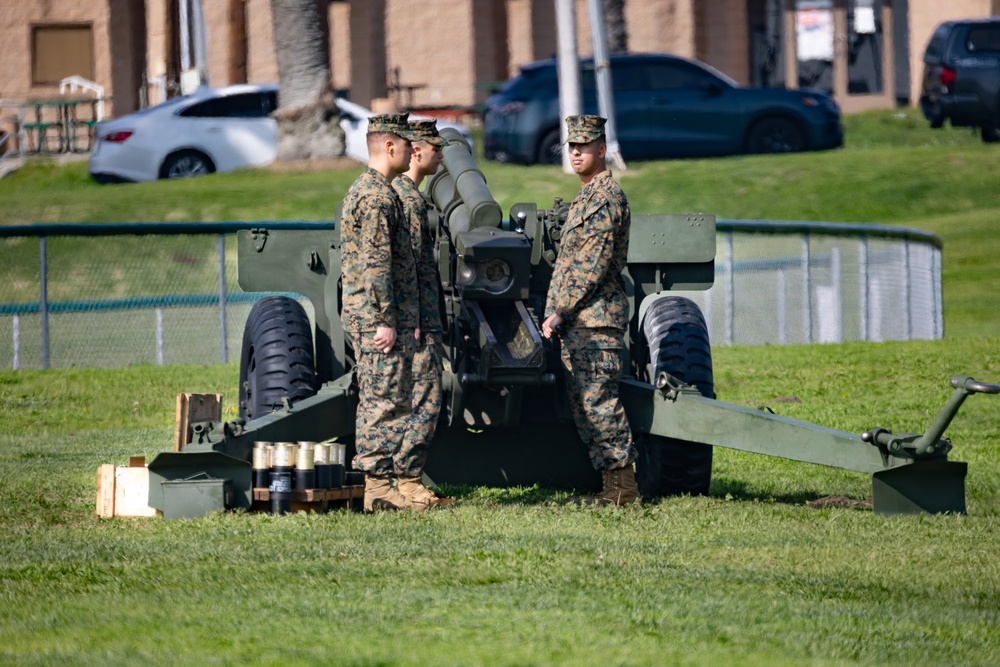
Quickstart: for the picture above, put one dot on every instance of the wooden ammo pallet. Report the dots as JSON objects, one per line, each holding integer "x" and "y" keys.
{"x": 312, "y": 500}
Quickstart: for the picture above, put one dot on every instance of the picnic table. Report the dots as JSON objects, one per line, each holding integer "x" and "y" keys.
{"x": 59, "y": 125}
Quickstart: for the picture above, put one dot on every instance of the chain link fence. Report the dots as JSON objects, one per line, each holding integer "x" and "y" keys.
{"x": 118, "y": 295}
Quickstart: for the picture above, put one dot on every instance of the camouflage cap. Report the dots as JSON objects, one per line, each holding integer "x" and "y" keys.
{"x": 397, "y": 123}
{"x": 426, "y": 130}
{"x": 584, "y": 129}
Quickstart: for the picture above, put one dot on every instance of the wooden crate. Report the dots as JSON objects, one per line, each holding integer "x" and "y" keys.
{"x": 124, "y": 490}
{"x": 312, "y": 500}
{"x": 193, "y": 408}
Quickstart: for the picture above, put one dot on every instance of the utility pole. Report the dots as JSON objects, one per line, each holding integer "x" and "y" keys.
{"x": 569, "y": 72}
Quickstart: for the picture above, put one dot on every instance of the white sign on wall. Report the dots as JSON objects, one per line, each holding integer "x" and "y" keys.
{"x": 814, "y": 30}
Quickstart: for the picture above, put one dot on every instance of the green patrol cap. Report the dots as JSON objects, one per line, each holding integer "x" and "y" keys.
{"x": 584, "y": 129}
{"x": 426, "y": 130}
{"x": 392, "y": 122}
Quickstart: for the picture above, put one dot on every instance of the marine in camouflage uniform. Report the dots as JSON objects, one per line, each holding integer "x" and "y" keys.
{"x": 426, "y": 403}
{"x": 587, "y": 307}
{"x": 380, "y": 310}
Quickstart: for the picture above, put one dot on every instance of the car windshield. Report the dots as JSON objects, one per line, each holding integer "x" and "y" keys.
{"x": 532, "y": 80}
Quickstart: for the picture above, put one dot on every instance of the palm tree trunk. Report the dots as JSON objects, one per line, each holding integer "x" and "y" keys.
{"x": 307, "y": 117}
{"x": 614, "y": 23}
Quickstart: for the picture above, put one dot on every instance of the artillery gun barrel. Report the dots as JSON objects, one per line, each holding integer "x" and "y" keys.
{"x": 459, "y": 190}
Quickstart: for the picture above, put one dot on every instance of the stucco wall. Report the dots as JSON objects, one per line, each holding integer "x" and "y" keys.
{"x": 340, "y": 44}
{"x": 262, "y": 66}
{"x": 16, "y": 21}
{"x": 442, "y": 45}
{"x": 432, "y": 48}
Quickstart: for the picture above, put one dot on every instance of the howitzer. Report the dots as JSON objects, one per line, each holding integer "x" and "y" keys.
{"x": 506, "y": 419}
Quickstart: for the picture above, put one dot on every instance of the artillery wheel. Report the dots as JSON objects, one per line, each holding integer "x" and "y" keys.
{"x": 677, "y": 335}
{"x": 277, "y": 357}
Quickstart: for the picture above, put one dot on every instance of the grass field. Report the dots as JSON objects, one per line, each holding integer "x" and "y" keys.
{"x": 750, "y": 575}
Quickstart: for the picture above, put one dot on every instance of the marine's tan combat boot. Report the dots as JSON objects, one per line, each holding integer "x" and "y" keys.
{"x": 620, "y": 488}
{"x": 418, "y": 496}
{"x": 381, "y": 495}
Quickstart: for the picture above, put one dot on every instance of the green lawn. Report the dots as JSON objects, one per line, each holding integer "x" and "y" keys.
{"x": 750, "y": 575}
{"x": 893, "y": 170}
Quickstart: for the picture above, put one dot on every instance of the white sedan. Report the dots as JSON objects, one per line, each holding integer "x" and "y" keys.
{"x": 354, "y": 121}
{"x": 212, "y": 129}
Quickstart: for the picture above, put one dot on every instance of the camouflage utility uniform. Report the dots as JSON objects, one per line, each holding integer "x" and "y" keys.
{"x": 426, "y": 404}
{"x": 588, "y": 292}
{"x": 379, "y": 290}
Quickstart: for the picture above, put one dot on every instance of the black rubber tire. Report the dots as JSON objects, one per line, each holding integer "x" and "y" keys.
{"x": 989, "y": 135}
{"x": 775, "y": 134}
{"x": 550, "y": 148}
{"x": 277, "y": 359}
{"x": 677, "y": 336}
{"x": 185, "y": 164}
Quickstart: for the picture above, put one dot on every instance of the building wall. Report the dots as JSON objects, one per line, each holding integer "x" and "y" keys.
{"x": 340, "y": 44}
{"x": 531, "y": 33}
{"x": 157, "y": 46}
{"x": 262, "y": 65}
{"x": 127, "y": 41}
{"x": 449, "y": 49}
{"x": 722, "y": 26}
{"x": 661, "y": 25}
{"x": 16, "y": 21}
{"x": 925, "y": 16}
{"x": 432, "y": 48}
{"x": 218, "y": 55}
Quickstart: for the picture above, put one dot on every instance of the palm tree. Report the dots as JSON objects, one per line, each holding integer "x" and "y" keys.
{"x": 307, "y": 117}
{"x": 614, "y": 23}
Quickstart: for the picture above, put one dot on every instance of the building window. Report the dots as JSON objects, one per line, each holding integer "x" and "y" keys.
{"x": 59, "y": 51}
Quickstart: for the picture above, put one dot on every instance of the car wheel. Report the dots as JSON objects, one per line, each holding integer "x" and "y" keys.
{"x": 989, "y": 134}
{"x": 187, "y": 163}
{"x": 775, "y": 135}
{"x": 677, "y": 335}
{"x": 550, "y": 149}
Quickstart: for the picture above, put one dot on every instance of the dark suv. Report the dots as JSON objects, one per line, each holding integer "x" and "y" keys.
{"x": 962, "y": 76}
{"x": 665, "y": 106}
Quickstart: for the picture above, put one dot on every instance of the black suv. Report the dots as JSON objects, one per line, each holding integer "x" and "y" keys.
{"x": 962, "y": 76}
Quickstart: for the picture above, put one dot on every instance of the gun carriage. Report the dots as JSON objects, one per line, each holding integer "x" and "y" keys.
{"x": 506, "y": 420}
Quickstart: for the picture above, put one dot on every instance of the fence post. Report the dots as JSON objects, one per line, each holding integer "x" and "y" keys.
{"x": 865, "y": 288}
{"x": 730, "y": 306}
{"x": 159, "y": 336}
{"x": 17, "y": 342}
{"x": 838, "y": 300}
{"x": 938, "y": 309}
{"x": 43, "y": 299}
{"x": 806, "y": 290}
{"x": 909, "y": 289}
{"x": 222, "y": 299}
{"x": 782, "y": 309}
